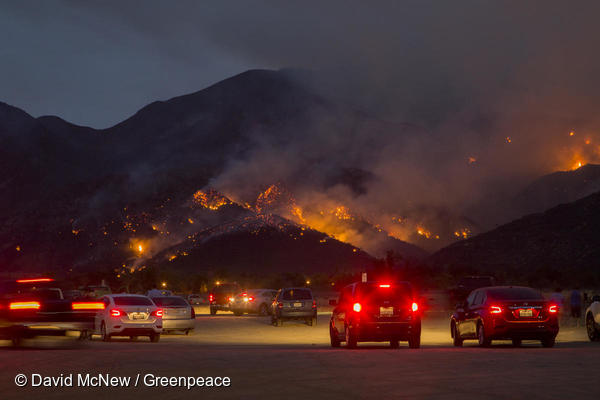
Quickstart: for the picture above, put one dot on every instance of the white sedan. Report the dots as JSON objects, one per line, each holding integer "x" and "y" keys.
{"x": 129, "y": 315}
{"x": 592, "y": 319}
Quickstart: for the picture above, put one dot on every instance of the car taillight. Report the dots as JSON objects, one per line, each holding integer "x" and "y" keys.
{"x": 116, "y": 313}
{"x": 314, "y": 304}
{"x": 357, "y": 307}
{"x": 385, "y": 285}
{"x": 193, "y": 313}
{"x": 496, "y": 309}
{"x": 211, "y": 298}
{"x": 414, "y": 307}
{"x": 35, "y": 280}
{"x": 157, "y": 313}
{"x": 280, "y": 305}
{"x": 553, "y": 309}
{"x": 82, "y": 305}
{"x": 24, "y": 305}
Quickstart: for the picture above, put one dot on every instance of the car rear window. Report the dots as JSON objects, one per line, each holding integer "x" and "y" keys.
{"x": 133, "y": 301}
{"x": 396, "y": 292}
{"x": 514, "y": 294}
{"x": 169, "y": 301}
{"x": 297, "y": 294}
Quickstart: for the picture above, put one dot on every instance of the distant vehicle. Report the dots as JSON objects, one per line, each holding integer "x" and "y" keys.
{"x": 158, "y": 293}
{"x": 592, "y": 319}
{"x": 221, "y": 297}
{"x": 178, "y": 314}
{"x": 95, "y": 291}
{"x": 254, "y": 301}
{"x": 467, "y": 284}
{"x": 376, "y": 312}
{"x": 505, "y": 313}
{"x": 294, "y": 304}
{"x": 36, "y": 307}
{"x": 195, "y": 299}
{"x": 72, "y": 294}
{"x": 129, "y": 315}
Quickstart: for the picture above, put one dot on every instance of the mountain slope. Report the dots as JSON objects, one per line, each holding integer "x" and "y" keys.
{"x": 561, "y": 244}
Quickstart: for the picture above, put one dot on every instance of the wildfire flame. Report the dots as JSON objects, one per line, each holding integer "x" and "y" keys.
{"x": 210, "y": 199}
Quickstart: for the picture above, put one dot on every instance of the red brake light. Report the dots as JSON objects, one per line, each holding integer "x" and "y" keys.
{"x": 211, "y": 298}
{"x": 116, "y": 313}
{"x": 314, "y": 304}
{"x": 357, "y": 307}
{"x": 250, "y": 298}
{"x": 193, "y": 313}
{"x": 495, "y": 309}
{"x": 82, "y": 305}
{"x": 157, "y": 313}
{"x": 24, "y": 305}
{"x": 386, "y": 285}
{"x": 414, "y": 307}
{"x": 553, "y": 309}
{"x": 35, "y": 280}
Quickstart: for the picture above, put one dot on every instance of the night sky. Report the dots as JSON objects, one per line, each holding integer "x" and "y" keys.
{"x": 96, "y": 62}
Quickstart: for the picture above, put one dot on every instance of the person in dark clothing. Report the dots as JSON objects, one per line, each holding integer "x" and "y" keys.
{"x": 576, "y": 303}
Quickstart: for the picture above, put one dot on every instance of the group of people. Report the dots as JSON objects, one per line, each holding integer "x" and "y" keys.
{"x": 576, "y": 301}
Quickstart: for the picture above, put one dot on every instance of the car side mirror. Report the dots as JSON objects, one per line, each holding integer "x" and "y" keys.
{"x": 333, "y": 302}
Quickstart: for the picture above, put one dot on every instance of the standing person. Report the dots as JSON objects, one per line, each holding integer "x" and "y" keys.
{"x": 557, "y": 297}
{"x": 576, "y": 303}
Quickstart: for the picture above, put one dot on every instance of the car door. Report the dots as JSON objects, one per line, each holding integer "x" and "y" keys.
{"x": 473, "y": 314}
{"x": 464, "y": 324}
{"x": 339, "y": 312}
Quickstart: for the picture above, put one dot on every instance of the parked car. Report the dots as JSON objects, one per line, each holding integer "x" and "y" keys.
{"x": 129, "y": 315}
{"x": 376, "y": 312}
{"x": 195, "y": 299}
{"x": 178, "y": 314}
{"x": 221, "y": 297}
{"x": 36, "y": 307}
{"x": 294, "y": 304}
{"x": 514, "y": 313}
{"x": 254, "y": 301}
{"x": 592, "y": 319}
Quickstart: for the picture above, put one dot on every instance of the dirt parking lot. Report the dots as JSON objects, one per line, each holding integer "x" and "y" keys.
{"x": 295, "y": 361}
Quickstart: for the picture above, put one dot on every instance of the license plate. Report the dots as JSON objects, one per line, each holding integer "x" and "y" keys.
{"x": 386, "y": 311}
{"x": 526, "y": 313}
{"x": 138, "y": 316}
{"x": 297, "y": 304}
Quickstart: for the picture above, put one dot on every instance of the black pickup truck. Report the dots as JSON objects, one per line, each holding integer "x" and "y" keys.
{"x": 36, "y": 307}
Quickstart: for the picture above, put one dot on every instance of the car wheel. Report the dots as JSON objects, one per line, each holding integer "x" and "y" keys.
{"x": 262, "y": 310}
{"x": 333, "y": 337}
{"x": 155, "y": 337}
{"x": 590, "y": 326}
{"x": 213, "y": 311}
{"x": 103, "y": 333}
{"x": 484, "y": 341}
{"x": 456, "y": 339}
{"x": 516, "y": 342}
{"x": 394, "y": 344}
{"x": 351, "y": 340}
{"x": 548, "y": 341}
{"x": 414, "y": 341}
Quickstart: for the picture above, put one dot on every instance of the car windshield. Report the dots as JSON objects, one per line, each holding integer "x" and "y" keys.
{"x": 394, "y": 292}
{"x": 514, "y": 294}
{"x": 297, "y": 294}
{"x": 133, "y": 301}
{"x": 170, "y": 301}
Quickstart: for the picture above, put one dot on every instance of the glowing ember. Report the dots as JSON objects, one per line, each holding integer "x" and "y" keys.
{"x": 462, "y": 233}
{"x": 572, "y": 133}
{"x": 210, "y": 199}
{"x": 191, "y": 221}
{"x": 472, "y": 160}
{"x": 18, "y": 248}
{"x": 508, "y": 139}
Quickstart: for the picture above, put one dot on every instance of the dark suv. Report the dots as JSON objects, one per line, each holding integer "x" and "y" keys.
{"x": 376, "y": 312}
{"x": 294, "y": 303}
{"x": 221, "y": 297}
{"x": 505, "y": 312}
